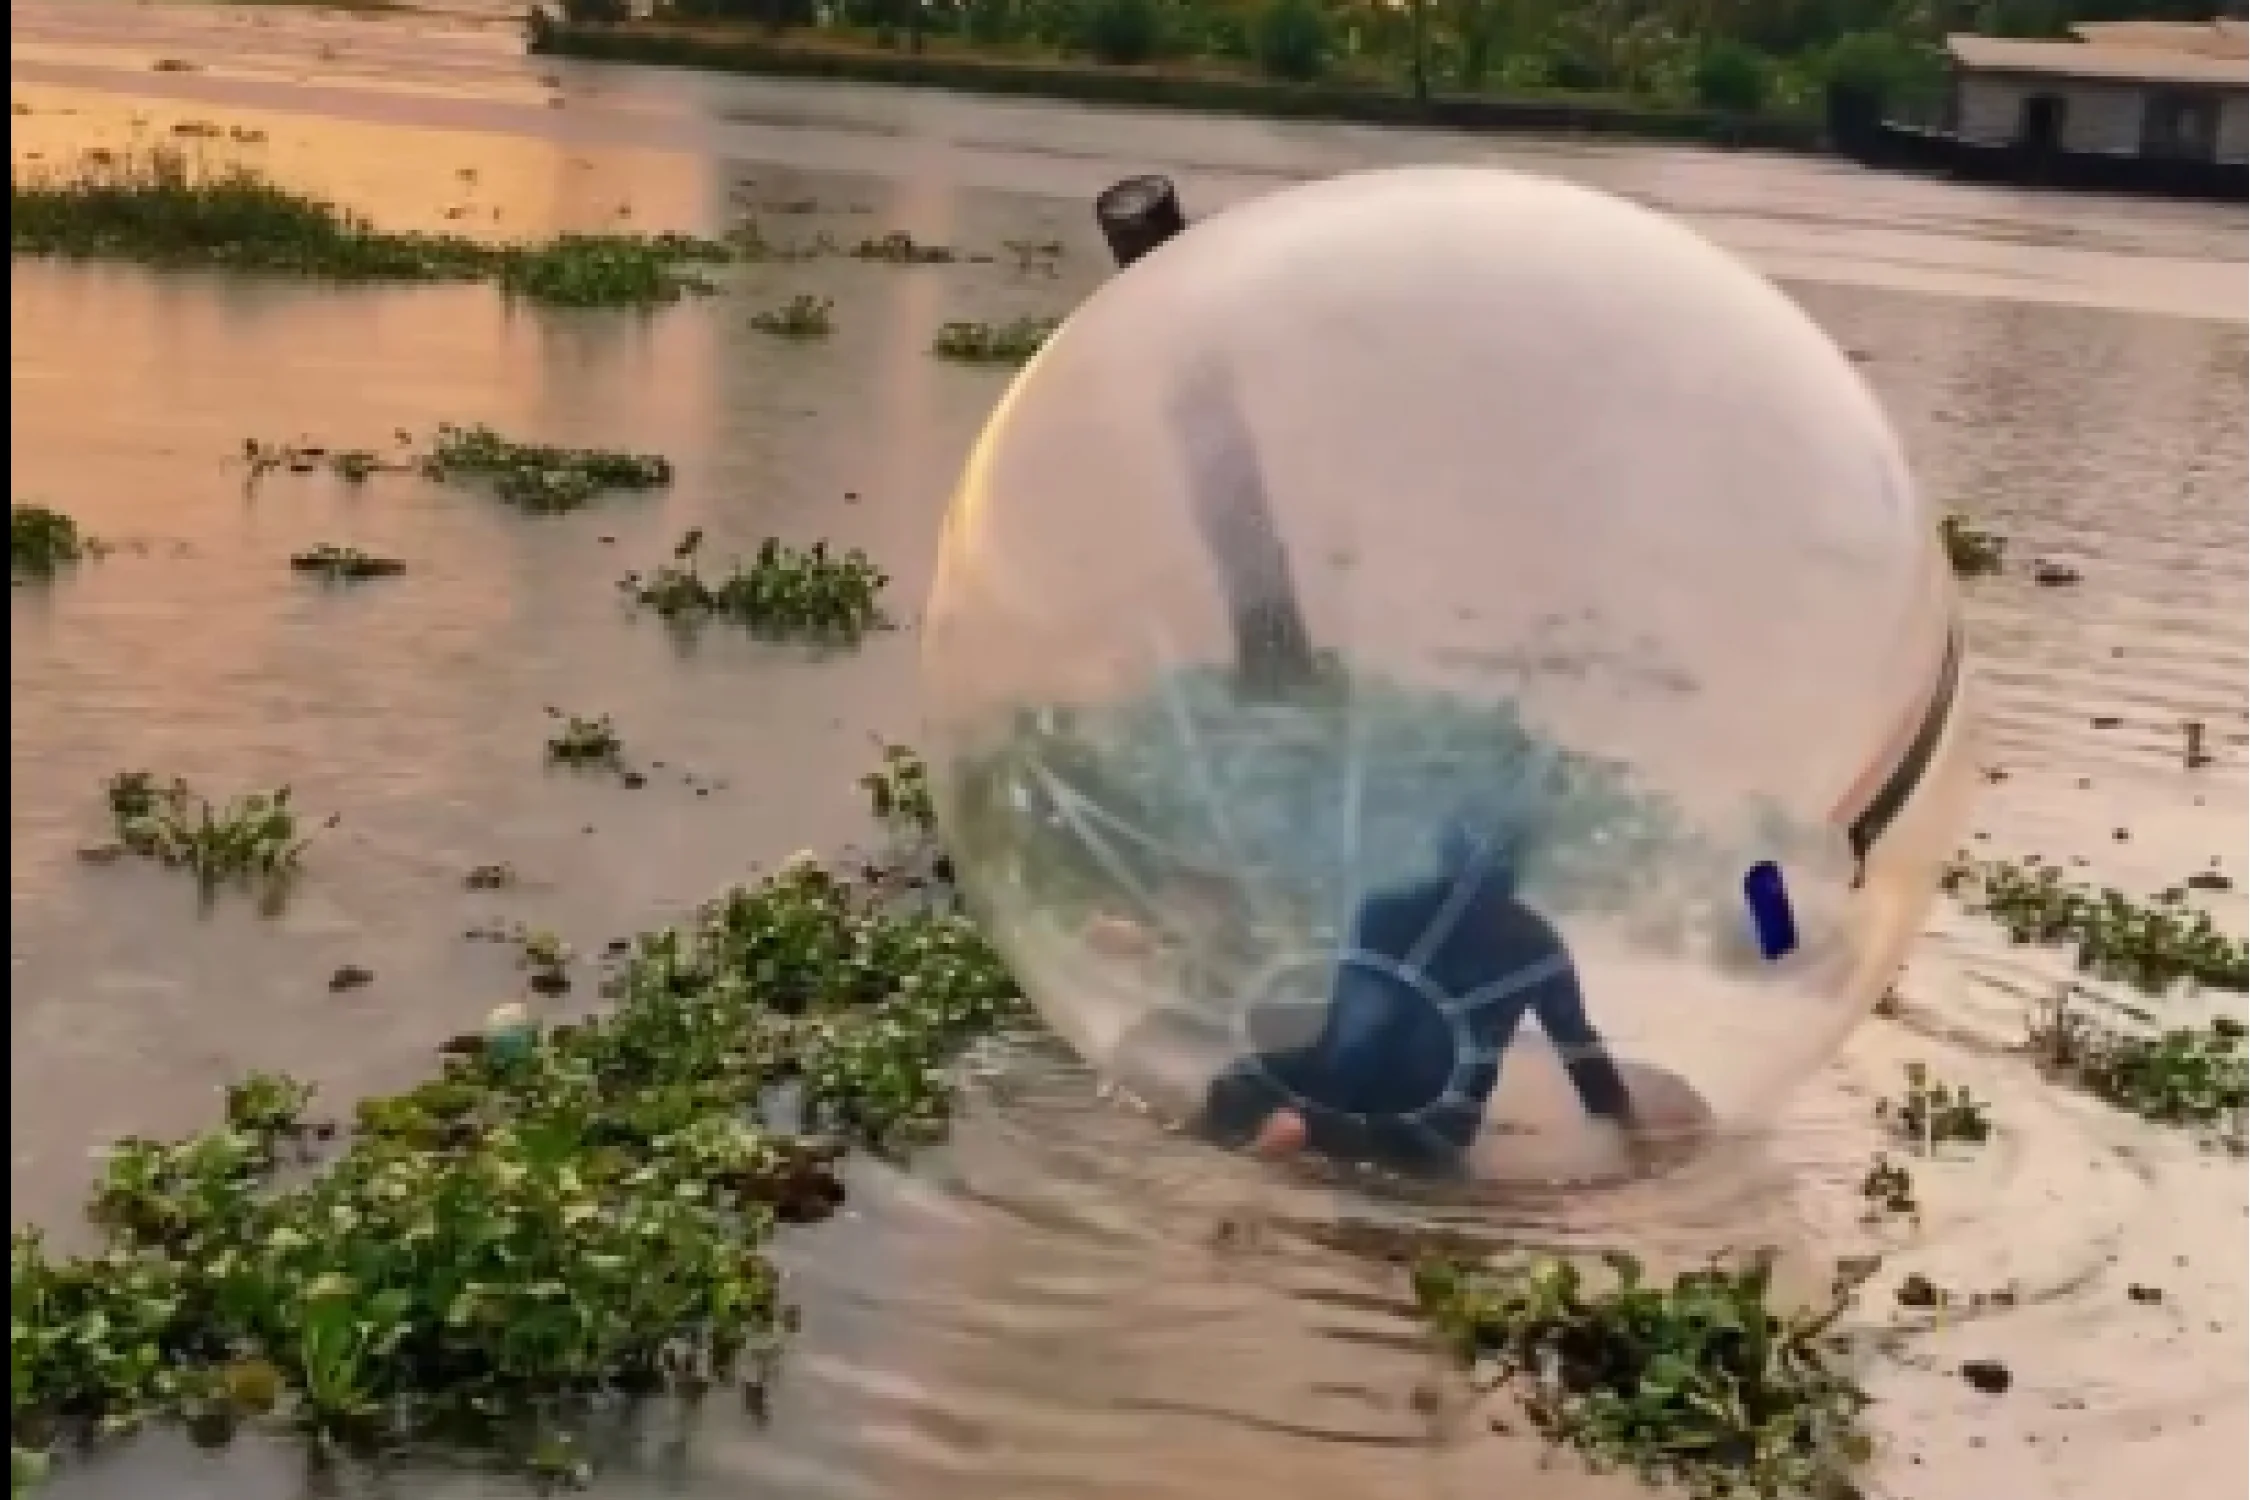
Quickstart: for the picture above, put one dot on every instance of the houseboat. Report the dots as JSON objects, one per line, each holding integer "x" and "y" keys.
{"x": 2135, "y": 106}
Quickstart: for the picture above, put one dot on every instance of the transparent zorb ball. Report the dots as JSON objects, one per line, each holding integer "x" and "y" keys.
{"x": 1447, "y": 505}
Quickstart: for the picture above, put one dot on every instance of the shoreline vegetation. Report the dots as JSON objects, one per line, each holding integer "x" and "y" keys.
{"x": 1159, "y": 86}
{"x": 164, "y": 208}
{"x": 1660, "y": 73}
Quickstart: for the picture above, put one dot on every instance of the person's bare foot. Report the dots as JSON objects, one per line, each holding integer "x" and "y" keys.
{"x": 1648, "y": 1152}
{"x": 1282, "y": 1135}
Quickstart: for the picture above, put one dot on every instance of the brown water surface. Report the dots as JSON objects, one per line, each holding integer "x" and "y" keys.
{"x": 1064, "y": 1301}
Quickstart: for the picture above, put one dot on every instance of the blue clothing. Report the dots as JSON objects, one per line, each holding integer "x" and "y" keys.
{"x": 1423, "y": 1007}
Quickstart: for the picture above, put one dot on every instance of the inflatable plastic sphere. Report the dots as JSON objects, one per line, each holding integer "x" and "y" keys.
{"x": 1457, "y": 658}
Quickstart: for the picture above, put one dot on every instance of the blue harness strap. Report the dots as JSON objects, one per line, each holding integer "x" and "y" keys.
{"x": 1422, "y": 1009}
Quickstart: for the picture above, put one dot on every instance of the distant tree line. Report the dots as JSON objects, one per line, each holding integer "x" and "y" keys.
{"x": 1739, "y": 56}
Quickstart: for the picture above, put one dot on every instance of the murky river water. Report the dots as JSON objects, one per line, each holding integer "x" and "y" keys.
{"x": 1059, "y": 1303}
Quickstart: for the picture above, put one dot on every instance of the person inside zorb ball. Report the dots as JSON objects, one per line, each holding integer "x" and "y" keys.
{"x": 1447, "y": 671}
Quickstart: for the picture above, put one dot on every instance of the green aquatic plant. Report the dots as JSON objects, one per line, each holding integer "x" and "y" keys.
{"x": 898, "y": 793}
{"x": 1972, "y": 550}
{"x": 1702, "y": 1382}
{"x": 565, "y": 1222}
{"x": 269, "y": 1107}
{"x": 161, "y": 207}
{"x": 802, "y": 317}
{"x": 336, "y": 564}
{"x": 584, "y": 742}
{"x": 2195, "y": 1076}
{"x": 748, "y": 242}
{"x": 545, "y": 960}
{"x": 535, "y": 476}
{"x": 42, "y": 542}
{"x": 1011, "y": 343}
{"x": 352, "y": 465}
{"x": 898, "y": 248}
{"x": 1888, "y": 1189}
{"x": 780, "y": 593}
{"x": 544, "y": 950}
{"x": 250, "y": 842}
{"x": 610, "y": 270}
{"x": 1035, "y": 257}
{"x": 1933, "y": 1113}
{"x": 2151, "y": 945}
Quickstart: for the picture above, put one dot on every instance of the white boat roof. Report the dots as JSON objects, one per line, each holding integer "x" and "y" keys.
{"x": 2106, "y": 61}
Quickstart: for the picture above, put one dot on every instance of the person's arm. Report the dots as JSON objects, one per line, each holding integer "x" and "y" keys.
{"x": 1561, "y": 1008}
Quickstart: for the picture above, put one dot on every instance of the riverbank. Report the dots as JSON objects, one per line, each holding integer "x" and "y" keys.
{"x": 943, "y": 64}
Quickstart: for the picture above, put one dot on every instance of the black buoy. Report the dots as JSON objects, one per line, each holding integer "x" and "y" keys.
{"x": 1137, "y": 215}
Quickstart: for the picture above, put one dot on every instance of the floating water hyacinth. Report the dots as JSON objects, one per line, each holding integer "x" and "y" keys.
{"x": 1011, "y": 343}
{"x": 162, "y": 207}
{"x": 42, "y": 541}
{"x": 539, "y": 477}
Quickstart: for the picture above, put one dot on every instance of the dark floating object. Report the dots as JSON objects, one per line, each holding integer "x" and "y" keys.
{"x": 345, "y": 564}
{"x": 350, "y": 977}
{"x": 1987, "y": 1375}
{"x": 2197, "y": 756}
{"x": 1771, "y": 915}
{"x": 1137, "y": 215}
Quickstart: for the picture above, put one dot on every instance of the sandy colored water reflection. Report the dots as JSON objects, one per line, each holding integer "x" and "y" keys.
{"x": 1062, "y": 1303}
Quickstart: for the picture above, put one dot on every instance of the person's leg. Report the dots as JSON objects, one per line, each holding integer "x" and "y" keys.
{"x": 1262, "y": 1105}
{"x": 1383, "y": 1052}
